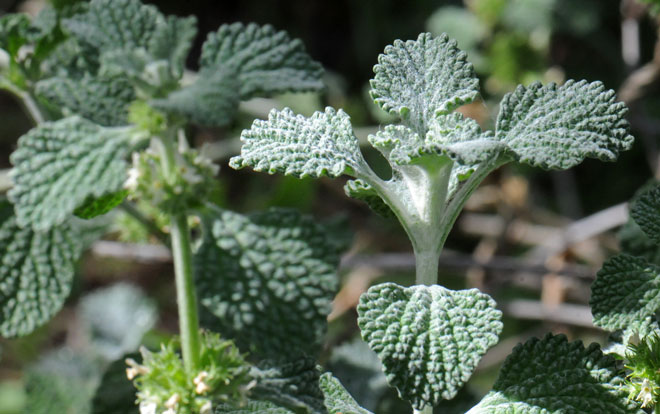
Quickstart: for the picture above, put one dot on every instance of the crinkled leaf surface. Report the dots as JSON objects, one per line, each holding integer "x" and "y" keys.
{"x": 294, "y": 145}
{"x": 646, "y": 213}
{"x": 292, "y": 384}
{"x": 269, "y": 278}
{"x": 36, "y": 273}
{"x": 266, "y": 61}
{"x": 101, "y": 100}
{"x": 626, "y": 295}
{"x": 360, "y": 190}
{"x": 58, "y": 165}
{"x": 420, "y": 79}
{"x": 253, "y": 407}
{"x": 172, "y": 40}
{"x": 337, "y": 399}
{"x": 429, "y": 338}
{"x": 212, "y": 100}
{"x": 559, "y": 126}
{"x": 554, "y": 376}
{"x": 115, "y": 24}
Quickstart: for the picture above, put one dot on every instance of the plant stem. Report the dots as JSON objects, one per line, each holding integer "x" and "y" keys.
{"x": 426, "y": 265}
{"x": 151, "y": 227}
{"x": 183, "y": 269}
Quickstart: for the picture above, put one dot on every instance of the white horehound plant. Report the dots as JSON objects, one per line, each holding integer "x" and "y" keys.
{"x": 105, "y": 84}
{"x": 430, "y": 338}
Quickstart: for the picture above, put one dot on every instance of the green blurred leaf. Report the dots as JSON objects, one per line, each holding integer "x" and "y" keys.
{"x": 115, "y": 394}
{"x": 646, "y": 213}
{"x": 95, "y": 207}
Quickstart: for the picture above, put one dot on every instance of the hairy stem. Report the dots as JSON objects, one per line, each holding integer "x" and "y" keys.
{"x": 426, "y": 266}
{"x": 183, "y": 269}
{"x": 149, "y": 225}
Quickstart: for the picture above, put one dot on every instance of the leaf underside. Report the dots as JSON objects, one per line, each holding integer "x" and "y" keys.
{"x": 59, "y": 165}
{"x": 278, "y": 279}
{"x": 626, "y": 296}
{"x": 36, "y": 273}
{"x": 557, "y": 127}
{"x": 554, "y": 376}
{"x": 323, "y": 144}
{"x": 428, "y": 338}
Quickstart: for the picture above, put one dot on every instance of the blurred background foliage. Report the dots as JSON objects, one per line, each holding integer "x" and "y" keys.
{"x": 503, "y": 243}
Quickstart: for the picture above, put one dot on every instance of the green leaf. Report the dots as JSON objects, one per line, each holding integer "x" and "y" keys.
{"x": 115, "y": 394}
{"x": 293, "y": 384}
{"x": 59, "y": 165}
{"x": 14, "y": 30}
{"x": 269, "y": 278}
{"x": 360, "y": 190}
{"x": 95, "y": 207}
{"x": 253, "y": 407}
{"x": 428, "y": 338}
{"x": 337, "y": 399}
{"x": 212, "y": 100}
{"x": 104, "y": 101}
{"x": 421, "y": 79}
{"x": 172, "y": 41}
{"x": 554, "y": 376}
{"x": 294, "y": 145}
{"x": 36, "y": 273}
{"x": 115, "y": 24}
{"x": 266, "y": 61}
{"x": 646, "y": 213}
{"x": 626, "y": 296}
{"x": 557, "y": 127}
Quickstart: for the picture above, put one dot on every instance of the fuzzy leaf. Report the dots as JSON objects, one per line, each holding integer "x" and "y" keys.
{"x": 646, "y": 213}
{"x": 360, "y": 190}
{"x": 59, "y": 165}
{"x": 449, "y": 135}
{"x": 559, "y": 126}
{"x": 421, "y": 79}
{"x": 101, "y": 100}
{"x": 337, "y": 399}
{"x": 253, "y": 407}
{"x": 95, "y": 207}
{"x": 294, "y": 145}
{"x": 36, "y": 273}
{"x": 269, "y": 278}
{"x": 212, "y": 100}
{"x": 172, "y": 41}
{"x": 293, "y": 384}
{"x": 266, "y": 61}
{"x": 428, "y": 338}
{"x": 626, "y": 295}
{"x": 115, "y": 24}
{"x": 554, "y": 376}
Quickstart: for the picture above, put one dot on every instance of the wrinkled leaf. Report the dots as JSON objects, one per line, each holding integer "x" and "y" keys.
{"x": 646, "y": 213}
{"x": 337, "y": 399}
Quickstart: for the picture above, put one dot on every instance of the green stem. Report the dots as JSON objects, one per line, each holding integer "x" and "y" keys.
{"x": 426, "y": 265}
{"x": 183, "y": 268}
{"x": 151, "y": 227}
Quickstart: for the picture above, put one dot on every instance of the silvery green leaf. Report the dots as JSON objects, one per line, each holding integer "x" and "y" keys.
{"x": 172, "y": 40}
{"x": 428, "y": 338}
{"x": 360, "y": 190}
{"x": 211, "y": 100}
{"x": 420, "y": 79}
{"x": 557, "y": 127}
{"x": 337, "y": 399}
{"x": 59, "y": 165}
{"x": 323, "y": 144}
{"x": 104, "y": 101}
{"x": 265, "y": 60}
{"x": 36, "y": 273}
{"x": 293, "y": 384}
{"x": 646, "y": 213}
{"x": 269, "y": 278}
{"x": 252, "y": 407}
{"x": 626, "y": 296}
{"x": 115, "y": 24}
{"x": 116, "y": 318}
{"x": 554, "y": 376}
